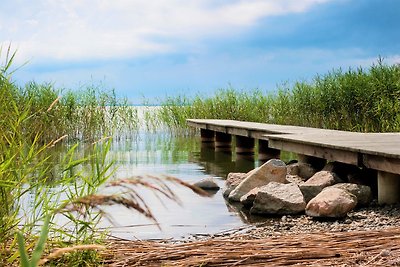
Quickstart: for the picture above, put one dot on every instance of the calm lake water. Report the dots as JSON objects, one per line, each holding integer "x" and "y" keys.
{"x": 159, "y": 154}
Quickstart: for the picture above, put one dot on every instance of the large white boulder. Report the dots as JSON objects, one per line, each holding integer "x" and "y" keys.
{"x": 273, "y": 170}
{"x": 277, "y": 198}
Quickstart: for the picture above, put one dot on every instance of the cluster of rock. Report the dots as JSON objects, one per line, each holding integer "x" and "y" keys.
{"x": 277, "y": 188}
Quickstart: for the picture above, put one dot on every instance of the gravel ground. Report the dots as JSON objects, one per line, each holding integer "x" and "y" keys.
{"x": 373, "y": 217}
{"x": 369, "y": 218}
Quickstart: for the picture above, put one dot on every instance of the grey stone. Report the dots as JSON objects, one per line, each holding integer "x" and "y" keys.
{"x": 317, "y": 182}
{"x": 293, "y": 169}
{"x": 363, "y": 193}
{"x": 302, "y": 169}
{"x": 331, "y": 202}
{"x": 232, "y": 181}
{"x": 248, "y": 199}
{"x": 234, "y": 178}
{"x": 277, "y": 198}
{"x": 207, "y": 184}
{"x": 294, "y": 179}
{"x": 273, "y": 170}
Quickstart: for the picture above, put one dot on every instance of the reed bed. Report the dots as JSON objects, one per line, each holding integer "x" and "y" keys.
{"x": 38, "y": 172}
{"x": 361, "y": 248}
{"x": 53, "y": 161}
{"x": 363, "y": 100}
{"x": 86, "y": 114}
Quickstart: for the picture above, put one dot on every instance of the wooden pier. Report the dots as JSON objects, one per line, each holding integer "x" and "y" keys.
{"x": 377, "y": 151}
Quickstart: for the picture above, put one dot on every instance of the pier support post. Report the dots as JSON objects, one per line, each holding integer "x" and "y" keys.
{"x": 223, "y": 142}
{"x": 266, "y": 153}
{"x": 244, "y": 145}
{"x": 207, "y": 138}
{"x": 244, "y": 153}
{"x": 388, "y": 188}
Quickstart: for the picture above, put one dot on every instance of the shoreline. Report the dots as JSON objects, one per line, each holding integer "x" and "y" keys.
{"x": 366, "y": 237}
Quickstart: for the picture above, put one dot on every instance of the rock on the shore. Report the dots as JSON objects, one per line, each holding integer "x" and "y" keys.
{"x": 302, "y": 169}
{"x": 331, "y": 202}
{"x": 248, "y": 199}
{"x": 207, "y": 184}
{"x": 317, "y": 182}
{"x": 277, "y": 198}
{"x": 232, "y": 181}
{"x": 294, "y": 179}
{"x": 273, "y": 170}
{"x": 363, "y": 193}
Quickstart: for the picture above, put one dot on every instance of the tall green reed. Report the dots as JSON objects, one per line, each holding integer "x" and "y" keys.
{"x": 365, "y": 100}
{"x": 34, "y": 177}
{"x": 86, "y": 114}
{"x": 41, "y": 186}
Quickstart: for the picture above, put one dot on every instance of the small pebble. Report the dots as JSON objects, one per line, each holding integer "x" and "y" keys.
{"x": 385, "y": 253}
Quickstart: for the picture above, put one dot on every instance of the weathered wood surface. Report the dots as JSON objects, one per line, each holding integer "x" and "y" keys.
{"x": 380, "y": 151}
{"x": 380, "y": 144}
{"x": 244, "y": 128}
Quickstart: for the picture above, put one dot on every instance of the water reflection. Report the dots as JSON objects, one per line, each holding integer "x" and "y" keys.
{"x": 220, "y": 163}
{"x": 184, "y": 157}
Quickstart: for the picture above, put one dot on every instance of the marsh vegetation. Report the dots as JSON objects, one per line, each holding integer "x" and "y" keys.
{"x": 53, "y": 161}
{"x": 363, "y": 100}
{"x": 46, "y": 177}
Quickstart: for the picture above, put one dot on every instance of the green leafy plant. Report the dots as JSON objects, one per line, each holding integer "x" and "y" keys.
{"x": 39, "y": 248}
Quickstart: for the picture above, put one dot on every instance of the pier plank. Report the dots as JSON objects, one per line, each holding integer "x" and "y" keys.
{"x": 365, "y": 143}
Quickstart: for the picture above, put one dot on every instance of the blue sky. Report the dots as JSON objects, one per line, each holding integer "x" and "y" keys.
{"x": 158, "y": 48}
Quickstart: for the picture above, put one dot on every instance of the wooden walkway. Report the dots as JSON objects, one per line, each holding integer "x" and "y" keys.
{"x": 378, "y": 151}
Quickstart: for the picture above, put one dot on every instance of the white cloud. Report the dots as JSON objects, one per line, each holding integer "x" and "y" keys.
{"x": 75, "y": 29}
